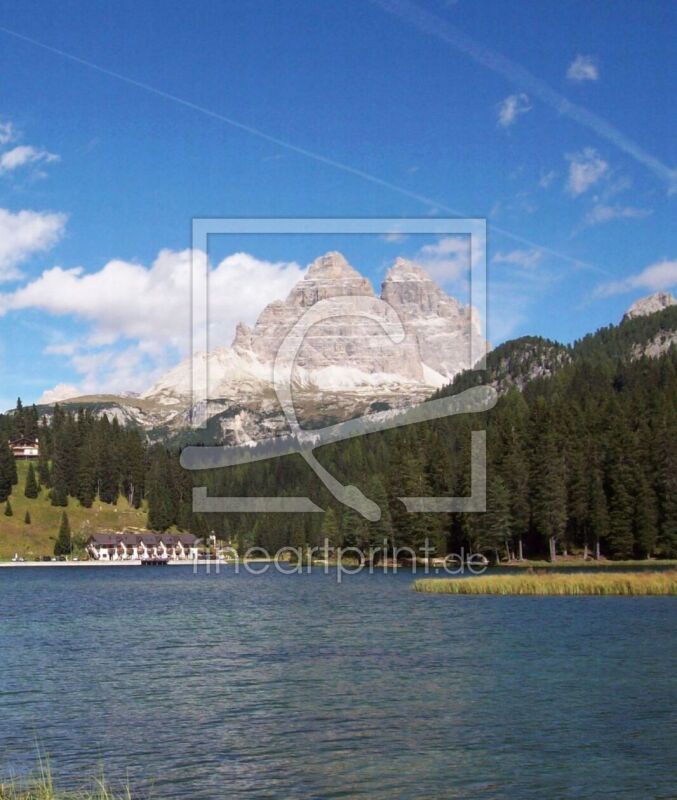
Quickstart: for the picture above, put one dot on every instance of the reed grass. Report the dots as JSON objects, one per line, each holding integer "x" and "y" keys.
{"x": 569, "y": 563}
{"x": 41, "y": 787}
{"x": 619, "y": 583}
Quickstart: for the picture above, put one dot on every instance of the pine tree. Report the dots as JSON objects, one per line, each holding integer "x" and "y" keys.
{"x": 27, "y": 518}
{"x": 329, "y": 529}
{"x": 597, "y": 520}
{"x": 620, "y": 481}
{"x": 8, "y": 509}
{"x": 497, "y": 523}
{"x": 43, "y": 464}
{"x": 31, "y": 489}
{"x": 109, "y": 468}
{"x": 63, "y": 545}
{"x": 86, "y": 491}
{"x": 645, "y": 519}
{"x": 7, "y": 469}
{"x": 548, "y": 479}
{"x": 162, "y": 510}
{"x": 666, "y": 487}
{"x": 61, "y": 465}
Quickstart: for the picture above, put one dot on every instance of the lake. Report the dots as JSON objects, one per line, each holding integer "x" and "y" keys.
{"x": 293, "y": 686}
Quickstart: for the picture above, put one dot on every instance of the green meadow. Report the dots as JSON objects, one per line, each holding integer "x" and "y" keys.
{"x": 36, "y": 539}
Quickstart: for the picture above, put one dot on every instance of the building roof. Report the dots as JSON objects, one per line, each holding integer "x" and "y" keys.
{"x": 23, "y": 441}
{"x": 149, "y": 538}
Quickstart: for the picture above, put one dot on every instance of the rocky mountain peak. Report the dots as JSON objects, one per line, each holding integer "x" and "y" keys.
{"x": 405, "y": 270}
{"x": 331, "y": 266}
{"x": 650, "y": 305}
{"x": 328, "y": 276}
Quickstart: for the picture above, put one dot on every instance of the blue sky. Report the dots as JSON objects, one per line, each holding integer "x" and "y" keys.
{"x": 556, "y": 124}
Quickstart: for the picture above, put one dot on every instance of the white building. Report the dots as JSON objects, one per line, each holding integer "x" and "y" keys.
{"x": 129, "y": 546}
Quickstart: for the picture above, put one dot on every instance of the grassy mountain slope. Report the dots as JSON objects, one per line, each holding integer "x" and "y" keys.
{"x": 37, "y": 539}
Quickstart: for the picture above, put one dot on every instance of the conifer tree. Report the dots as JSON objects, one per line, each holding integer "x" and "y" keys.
{"x": 8, "y": 509}
{"x": 548, "y": 480}
{"x": 329, "y": 529}
{"x": 597, "y": 520}
{"x": 43, "y": 464}
{"x": 27, "y": 518}
{"x": 497, "y": 524}
{"x": 63, "y": 544}
{"x": 31, "y": 489}
{"x": 161, "y": 502}
{"x": 645, "y": 519}
{"x": 7, "y": 470}
{"x": 86, "y": 491}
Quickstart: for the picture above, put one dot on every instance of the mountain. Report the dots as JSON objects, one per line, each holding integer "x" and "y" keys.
{"x": 345, "y": 366}
{"x": 649, "y": 305}
{"x": 519, "y": 362}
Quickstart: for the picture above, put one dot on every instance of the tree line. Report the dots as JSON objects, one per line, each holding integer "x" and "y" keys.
{"x": 582, "y": 457}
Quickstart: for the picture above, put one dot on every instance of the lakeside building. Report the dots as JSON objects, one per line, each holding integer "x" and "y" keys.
{"x": 130, "y": 546}
{"x": 24, "y": 447}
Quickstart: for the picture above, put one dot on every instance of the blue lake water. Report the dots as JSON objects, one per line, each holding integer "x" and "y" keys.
{"x": 236, "y": 686}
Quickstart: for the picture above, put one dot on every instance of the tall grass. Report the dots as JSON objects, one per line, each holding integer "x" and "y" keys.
{"x": 620, "y": 583}
{"x": 41, "y": 787}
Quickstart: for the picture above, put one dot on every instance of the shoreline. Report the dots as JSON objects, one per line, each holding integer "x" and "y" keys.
{"x": 93, "y": 563}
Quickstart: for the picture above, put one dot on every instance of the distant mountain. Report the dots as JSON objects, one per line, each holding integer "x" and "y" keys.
{"x": 518, "y": 362}
{"x": 345, "y": 366}
{"x": 650, "y": 305}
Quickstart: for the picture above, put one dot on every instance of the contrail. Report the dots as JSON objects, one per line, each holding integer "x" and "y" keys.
{"x": 318, "y": 157}
{"x": 433, "y": 25}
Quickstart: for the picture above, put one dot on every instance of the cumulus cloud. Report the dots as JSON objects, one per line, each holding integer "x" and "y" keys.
{"x": 24, "y": 233}
{"x": 24, "y": 154}
{"x": 62, "y": 391}
{"x": 583, "y": 68}
{"x": 601, "y": 213}
{"x": 511, "y": 108}
{"x": 661, "y": 275}
{"x": 585, "y": 170}
{"x": 447, "y": 261}
{"x": 138, "y": 318}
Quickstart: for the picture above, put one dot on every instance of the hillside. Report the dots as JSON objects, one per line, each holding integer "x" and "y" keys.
{"x": 37, "y": 539}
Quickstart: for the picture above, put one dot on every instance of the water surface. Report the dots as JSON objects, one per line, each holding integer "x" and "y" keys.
{"x": 234, "y": 686}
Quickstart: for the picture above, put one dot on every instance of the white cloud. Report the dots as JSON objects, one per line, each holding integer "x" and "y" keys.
{"x": 138, "y": 318}
{"x": 62, "y": 391}
{"x": 661, "y": 275}
{"x": 583, "y": 68}
{"x": 24, "y": 233}
{"x": 447, "y": 260}
{"x": 512, "y": 107}
{"x": 527, "y": 259}
{"x": 601, "y": 213}
{"x": 22, "y": 155}
{"x": 585, "y": 170}
{"x": 7, "y": 133}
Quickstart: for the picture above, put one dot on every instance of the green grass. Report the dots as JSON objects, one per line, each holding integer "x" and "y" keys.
{"x": 42, "y": 788}
{"x": 37, "y": 539}
{"x": 620, "y": 583}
